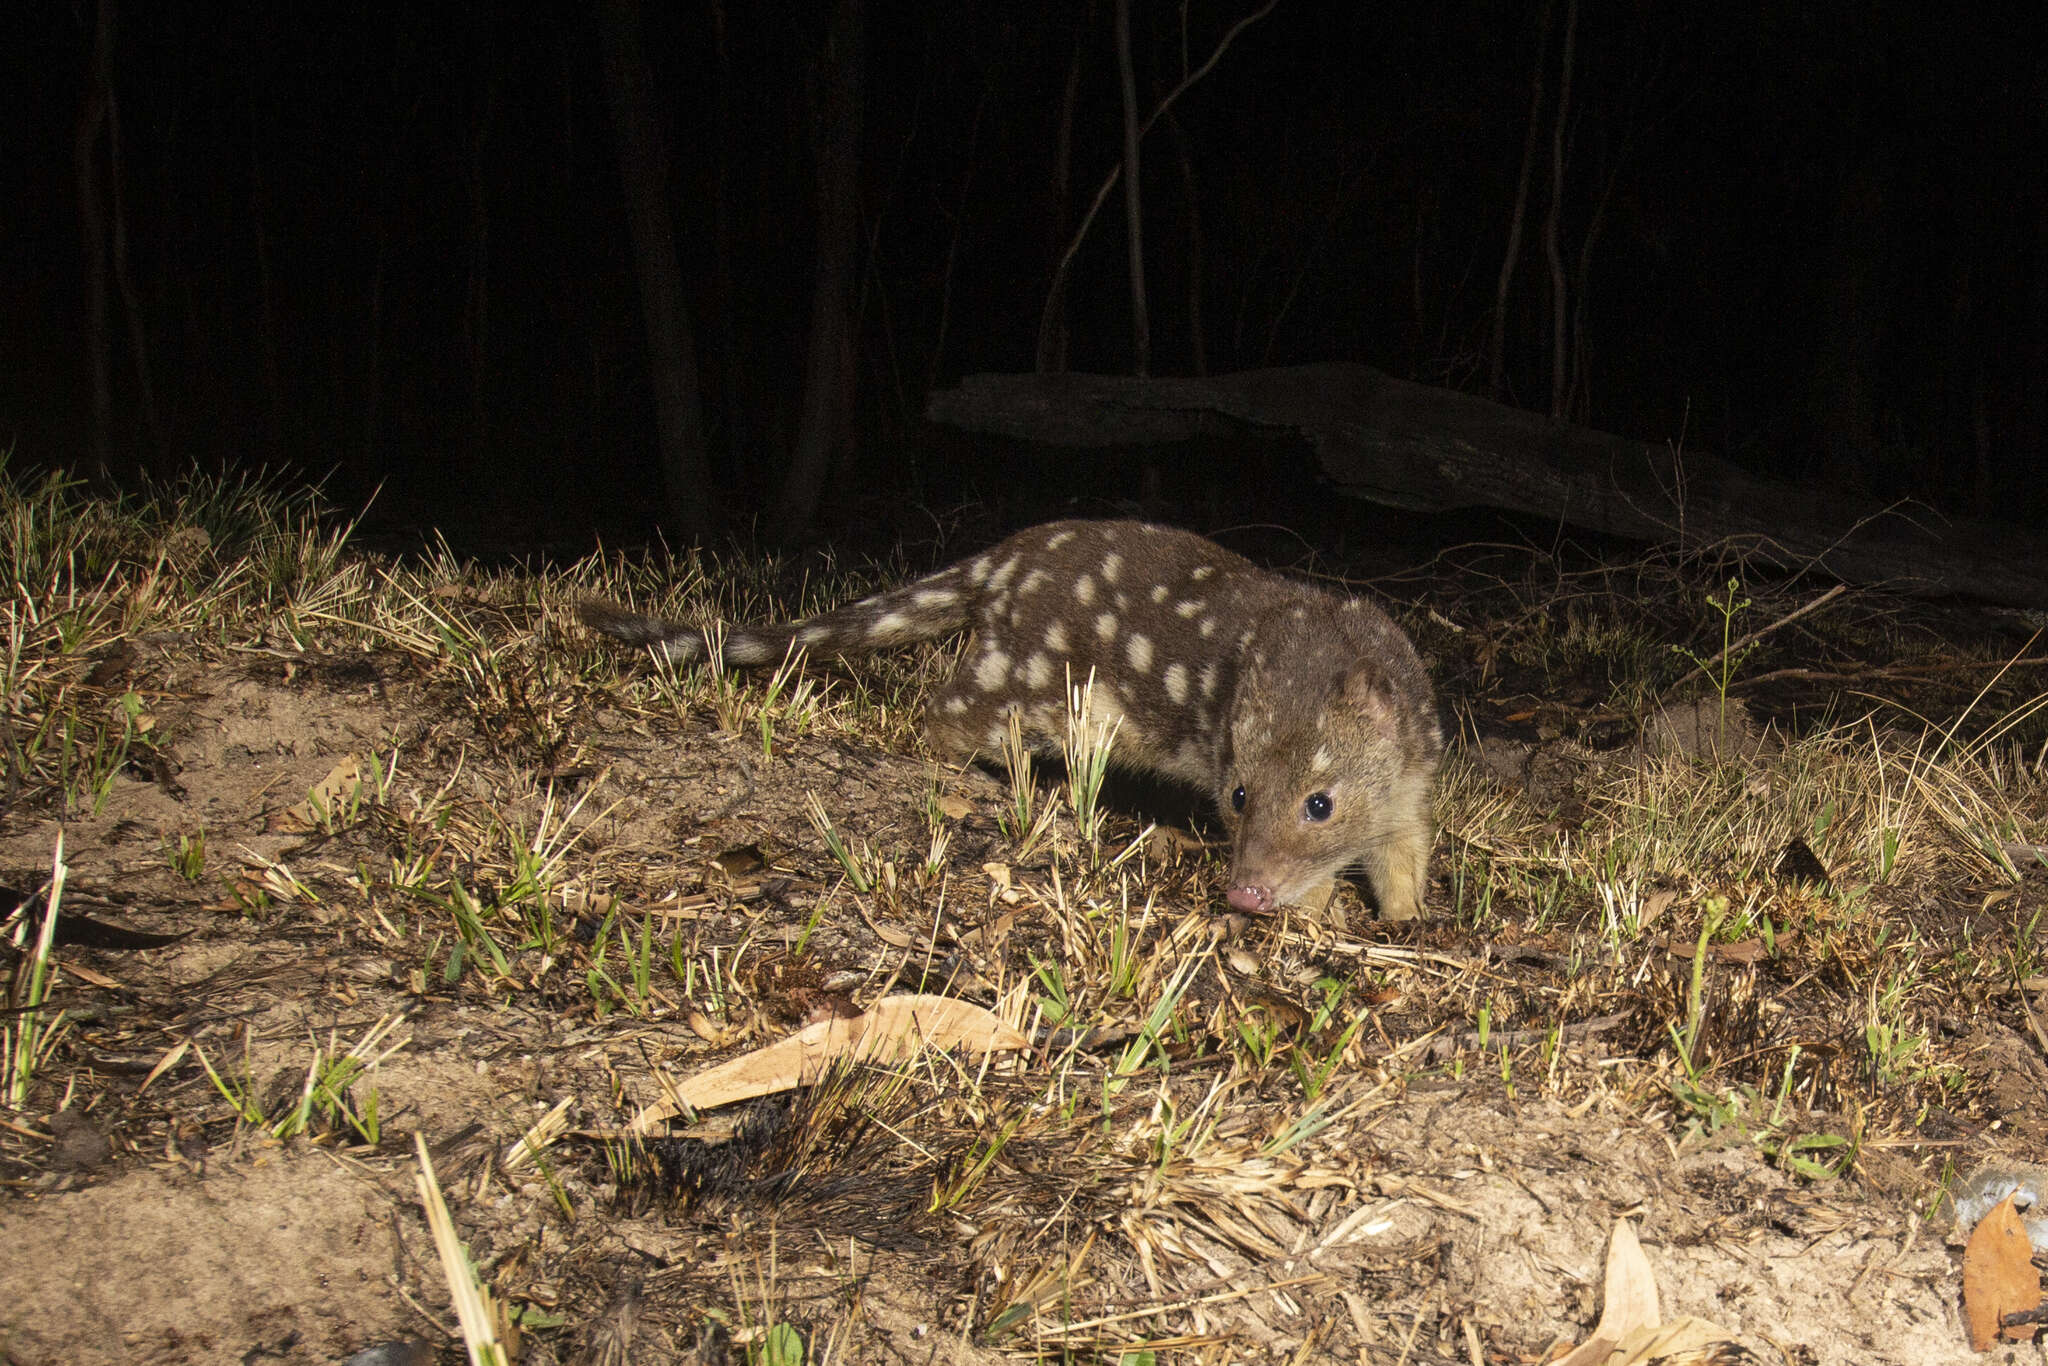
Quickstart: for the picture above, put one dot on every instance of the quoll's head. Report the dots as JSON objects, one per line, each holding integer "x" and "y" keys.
{"x": 1310, "y": 771}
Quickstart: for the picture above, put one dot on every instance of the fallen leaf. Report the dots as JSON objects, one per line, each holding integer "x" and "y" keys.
{"x": 1628, "y": 1303}
{"x": 983, "y": 938}
{"x": 325, "y": 799}
{"x": 893, "y": 1029}
{"x": 955, "y": 808}
{"x": 1743, "y": 953}
{"x": 1999, "y": 1277}
{"x": 1686, "y": 1338}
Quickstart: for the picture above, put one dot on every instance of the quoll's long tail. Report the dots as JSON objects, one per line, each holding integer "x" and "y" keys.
{"x": 935, "y": 606}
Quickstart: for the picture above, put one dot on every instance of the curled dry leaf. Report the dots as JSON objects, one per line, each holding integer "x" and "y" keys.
{"x": 1628, "y": 1302}
{"x": 327, "y": 796}
{"x": 1631, "y": 1331}
{"x": 895, "y": 1028}
{"x": 1999, "y": 1277}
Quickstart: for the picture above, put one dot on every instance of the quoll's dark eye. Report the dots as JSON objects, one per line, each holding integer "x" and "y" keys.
{"x": 1318, "y": 806}
{"x": 1237, "y": 798}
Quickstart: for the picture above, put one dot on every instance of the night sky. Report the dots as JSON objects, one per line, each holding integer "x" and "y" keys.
{"x": 391, "y": 245}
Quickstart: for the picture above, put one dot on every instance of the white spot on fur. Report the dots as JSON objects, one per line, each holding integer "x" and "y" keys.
{"x": 956, "y": 705}
{"x": 1084, "y": 590}
{"x": 1138, "y": 650}
{"x": 991, "y": 670}
{"x": 1033, "y": 581}
{"x": 1354, "y": 604}
{"x": 935, "y": 597}
{"x": 1208, "y": 680}
{"x": 1208, "y": 627}
{"x": 1177, "y": 683}
{"x": 977, "y": 573}
{"x": 1004, "y": 573}
{"x": 1056, "y": 637}
{"x": 1159, "y": 592}
{"x": 1112, "y": 565}
{"x": 1105, "y": 626}
{"x": 1059, "y": 538}
{"x": 1187, "y": 607}
{"x": 1123, "y": 603}
{"x": 1298, "y": 613}
{"x": 1246, "y": 639}
{"x": 747, "y": 650}
{"x": 811, "y": 635}
{"x": 1202, "y": 571}
{"x": 1323, "y": 760}
{"x": 1037, "y": 673}
{"x": 887, "y": 625}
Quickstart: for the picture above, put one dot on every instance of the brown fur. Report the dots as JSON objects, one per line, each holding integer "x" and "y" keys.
{"x": 1314, "y": 705}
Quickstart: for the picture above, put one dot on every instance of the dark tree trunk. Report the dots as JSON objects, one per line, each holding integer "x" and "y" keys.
{"x": 727, "y": 400}
{"x": 1496, "y": 351}
{"x": 1198, "y": 342}
{"x": 476, "y": 309}
{"x": 826, "y": 418}
{"x": 92, "y": 226}
{"x": 124, "y": 281}
{"x": 953, "y": 236}
{"x": 1134, "y": 216}
{"x": 671, "y": 350}
{"x": 1553, "y": 250}
{"x": 1845, "y": 361}
{"x": 1052, "y": 328}
{"x": 1059, "y": 275}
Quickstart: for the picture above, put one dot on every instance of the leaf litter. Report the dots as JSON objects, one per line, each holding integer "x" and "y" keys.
{"x": 411, "y": 790}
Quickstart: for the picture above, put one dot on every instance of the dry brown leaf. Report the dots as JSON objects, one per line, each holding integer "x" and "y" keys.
{"x": 1682, "y": 1340}
{"x": 895, "y": 1028}
{"x": 326, "y": 797}
{"x": 1628, "y": 1303}
{"x": 984, "y": 938}
{"x": 955, "y": 808}
{"x": 1999, "y": 1277}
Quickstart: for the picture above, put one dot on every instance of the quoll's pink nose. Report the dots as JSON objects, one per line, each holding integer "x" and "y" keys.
{"x": 1250, "y": 899}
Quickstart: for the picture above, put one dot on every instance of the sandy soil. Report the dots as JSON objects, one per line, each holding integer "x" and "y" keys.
{"x": 1447, "y": 1214}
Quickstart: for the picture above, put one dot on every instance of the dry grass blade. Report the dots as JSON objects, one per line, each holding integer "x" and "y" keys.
{"x": 473, "y": 1304}
{"x": 1234, "y": 1137}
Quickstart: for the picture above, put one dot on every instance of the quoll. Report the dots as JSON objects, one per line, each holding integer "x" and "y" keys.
{"x": 1305, "y": 714}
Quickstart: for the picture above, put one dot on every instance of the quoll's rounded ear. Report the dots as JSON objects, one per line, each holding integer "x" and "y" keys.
{"x": 1365, "y": 691}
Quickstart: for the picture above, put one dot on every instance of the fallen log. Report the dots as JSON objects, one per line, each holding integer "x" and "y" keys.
{"x": 1413, "y": 446}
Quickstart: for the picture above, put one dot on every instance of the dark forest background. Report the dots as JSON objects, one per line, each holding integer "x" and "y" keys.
{"x": 395, "y": 246}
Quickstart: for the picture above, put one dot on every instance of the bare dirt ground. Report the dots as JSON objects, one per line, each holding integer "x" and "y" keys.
{"x": 1445, "y": 1190}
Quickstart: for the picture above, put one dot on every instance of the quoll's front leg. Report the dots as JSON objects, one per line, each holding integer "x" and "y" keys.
{"x": 1398, "y": 869}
